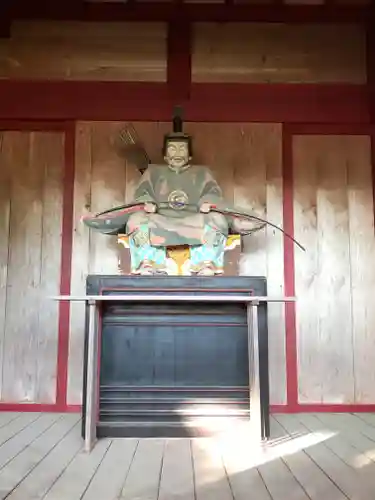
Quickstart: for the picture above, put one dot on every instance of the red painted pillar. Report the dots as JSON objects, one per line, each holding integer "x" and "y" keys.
{"x": 370, "y": 73}
{"x": 289, "y": 272}
{"x": 179, "y": 60}
{"x": 5, "y": 18}
{"x": 370, "y": 61}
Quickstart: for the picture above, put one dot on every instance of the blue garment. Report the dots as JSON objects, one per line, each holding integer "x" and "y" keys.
{"x": 210, "y": 253}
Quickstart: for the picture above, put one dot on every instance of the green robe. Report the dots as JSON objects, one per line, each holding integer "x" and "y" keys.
{"x": 172, "y": 226}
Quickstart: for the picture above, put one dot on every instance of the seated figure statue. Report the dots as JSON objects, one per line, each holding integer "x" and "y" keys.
{"x": 176, "y": 204}
{"x": 177, "y": 198}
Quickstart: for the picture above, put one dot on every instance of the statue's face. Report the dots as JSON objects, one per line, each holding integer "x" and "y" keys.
{"x": 177, "y": 154}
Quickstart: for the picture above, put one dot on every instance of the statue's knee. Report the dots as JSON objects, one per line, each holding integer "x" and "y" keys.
{"x": 213, "y": 238}
{"x": 140, "y": 238}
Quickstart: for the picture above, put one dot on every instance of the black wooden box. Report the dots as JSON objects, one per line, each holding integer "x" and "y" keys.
{"x": 172, "y": 368}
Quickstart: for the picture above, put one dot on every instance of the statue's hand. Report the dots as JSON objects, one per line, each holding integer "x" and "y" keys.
{"x": 205, "y": 208}
{"x": 150, "y": 208}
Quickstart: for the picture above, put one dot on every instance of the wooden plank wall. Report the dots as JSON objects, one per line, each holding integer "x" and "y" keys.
{"x": 221, "y": 52}
{"x": 85, "y": 51}
{"x": 246, "y": 159}
{"x": 103, "y": 179}
{"x": 275, "y": 53}
{"x": 31, "y": 170}
{"x": 333, "y": 211}
{"x": 333, "y": 201}
{"x": 335, "y": 278}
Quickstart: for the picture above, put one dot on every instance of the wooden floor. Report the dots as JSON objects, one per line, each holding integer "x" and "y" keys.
{"x": 310, "y": 456}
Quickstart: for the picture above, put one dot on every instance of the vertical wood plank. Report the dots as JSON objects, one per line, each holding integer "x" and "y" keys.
{"x": 325, "y": 339}
{"x": 22, "y": 322}
{"x": 30, "y": 257}
{"x": 274, "y": 249}
{"x": 334, "y": 280}
{"x": 250, "y": 181}
{"x": 5, "y": 187}
{"x": 80, "y": 260}
{"x": 214, "y": 145}
{"x": 107, "y": 190}
{"x": 362, "y": 252}
{"x": 49, "y": 151}
{"x": 258, "y": 189}
{"x": 306, "y": 266}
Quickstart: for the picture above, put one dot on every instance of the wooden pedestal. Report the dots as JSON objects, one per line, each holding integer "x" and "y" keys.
{"x": 170, "y": 368}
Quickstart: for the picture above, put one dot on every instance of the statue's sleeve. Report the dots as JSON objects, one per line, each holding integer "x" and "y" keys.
{"x": 145, "y": 190}
{"x": 211, "y": 191}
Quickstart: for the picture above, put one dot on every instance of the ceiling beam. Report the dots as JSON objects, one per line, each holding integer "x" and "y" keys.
{"x": 5, "y": 18}
{"x": 291, "y": 103}
{"x": 170, "y": 12}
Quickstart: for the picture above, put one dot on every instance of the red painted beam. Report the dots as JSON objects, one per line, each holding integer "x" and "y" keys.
{"x": 324, "y": 408}
{"x": 370, "y": 60}
{"x": 291, "y": 103}
{"x": 34, "y": 126}
{"x": 301, "y": 408}
{"x": 52, "y": 100}
{"x": 179, "y": 60}
{"x": 37, "y": 407}
{"x": 45, "y": 9}
{"x": 164, "y": 11}
{"x": 329, "y": 129}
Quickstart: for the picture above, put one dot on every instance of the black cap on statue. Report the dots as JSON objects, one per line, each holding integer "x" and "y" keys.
{"x": 178, "y": 134}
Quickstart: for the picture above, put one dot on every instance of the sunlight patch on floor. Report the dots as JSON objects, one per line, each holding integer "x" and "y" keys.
{"x": 241, "y": 453}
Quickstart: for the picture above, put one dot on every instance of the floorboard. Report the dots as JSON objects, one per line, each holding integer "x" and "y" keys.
{"x": 211, "y": 480}
{"x": 76, "y": 478}
{"x": 309, "y": 457}
{"x": 22, "y": 465}
{"x": 42, "y": 478}
{"x": 177, "y": 478}
{"x": 148, "y": 457}
{"x": 315, "y": 482}
{"x": 322, "y": 452}
{"x": 112, "y": 473}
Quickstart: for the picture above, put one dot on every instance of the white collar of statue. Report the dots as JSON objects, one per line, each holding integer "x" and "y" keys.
{"x": 178, "y": 169}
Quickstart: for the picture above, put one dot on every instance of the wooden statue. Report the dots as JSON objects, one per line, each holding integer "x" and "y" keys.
{"x": 176, "y": 205}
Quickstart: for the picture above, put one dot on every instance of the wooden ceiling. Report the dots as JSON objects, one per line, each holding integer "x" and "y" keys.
{"x": 253, "y": 2}
{"x": 187, "y": 10}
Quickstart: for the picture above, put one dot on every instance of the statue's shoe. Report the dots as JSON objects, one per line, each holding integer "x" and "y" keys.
{"x": 206, "y": 271}
{"x": 151, "y": 271}
{"x": 146, "y": 272}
